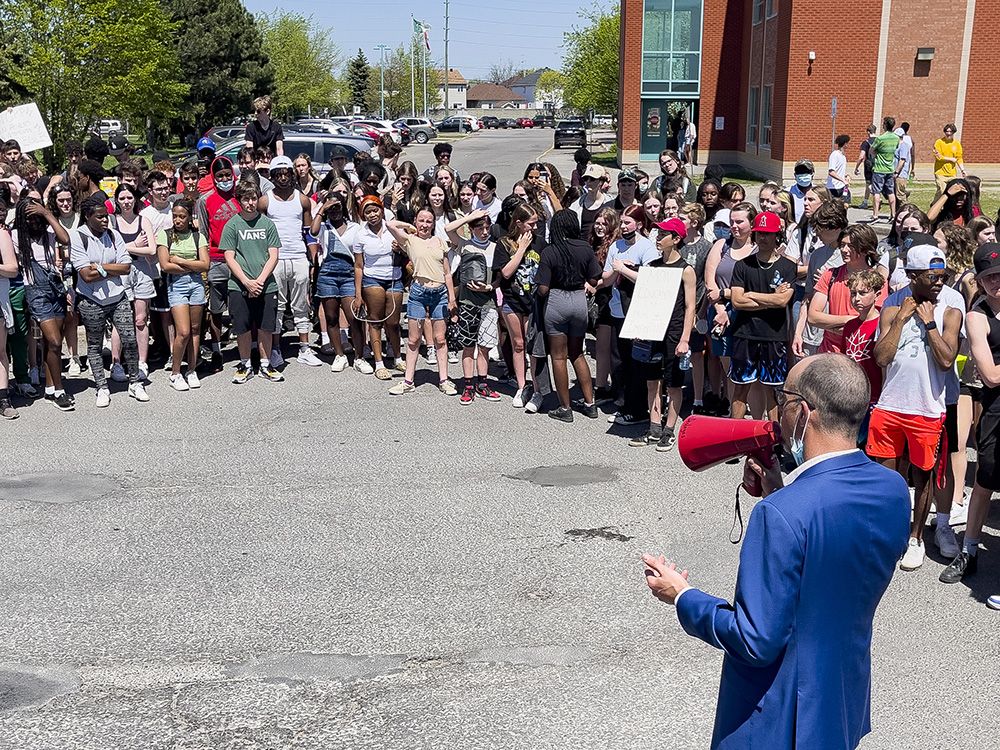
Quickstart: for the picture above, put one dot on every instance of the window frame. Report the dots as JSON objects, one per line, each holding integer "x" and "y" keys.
{"x": 770, "y": 8}
{"x": 758, "y": 11}
{"x": 766, "y": 108}
{"x": 753, "y": 116}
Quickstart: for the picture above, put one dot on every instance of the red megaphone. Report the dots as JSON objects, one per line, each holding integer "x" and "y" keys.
{"x": 708, "y": 441}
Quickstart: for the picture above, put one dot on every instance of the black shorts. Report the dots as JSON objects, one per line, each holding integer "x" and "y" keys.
{"x": 987, "y": 433}
{"x": 951, "y": 427}
{"x": 975, "y": 392}
{"x": 251, "y": 314}
{"x": 765, "y": 362}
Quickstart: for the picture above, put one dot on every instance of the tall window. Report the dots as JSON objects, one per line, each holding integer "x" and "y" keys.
{"x": 671, "y": 47}
{"x": 753, "y": 114}
{"x": 772, "y": 8}
{"x": 765, "y": 116}
{"x": 758, "y": 10}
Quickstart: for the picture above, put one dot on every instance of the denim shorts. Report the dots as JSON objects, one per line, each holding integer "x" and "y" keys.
{"x": 335, "y": 279}
{"x": 45, "y": 298}
{"x": 394, "y": 285}
{"x": 186, "y": 289}
{"x": 422, "y": 299}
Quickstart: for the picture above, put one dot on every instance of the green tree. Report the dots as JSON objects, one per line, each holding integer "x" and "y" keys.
{"x": 591, "y": 63}
{"x": 358, "y": 81}
{"x": 222, "y": 58}
{"x": 399, "y": 63}
{"x": 551, "y": 88}
{"x": 76, "y": 59}
{"x": 304, "y": 58}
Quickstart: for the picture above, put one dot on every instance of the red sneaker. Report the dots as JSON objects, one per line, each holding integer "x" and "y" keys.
{"x": 468, "y": 396}
{"x": 486, "y": 393}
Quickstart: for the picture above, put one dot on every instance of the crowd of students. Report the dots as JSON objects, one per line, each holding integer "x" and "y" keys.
{"x": 169, "y": 265}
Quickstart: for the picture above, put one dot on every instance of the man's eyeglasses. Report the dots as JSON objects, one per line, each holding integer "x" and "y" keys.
{"x": 783, "y": 397}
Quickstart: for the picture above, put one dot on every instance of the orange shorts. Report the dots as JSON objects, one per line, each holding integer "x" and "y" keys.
{"x": 889, "y": 433}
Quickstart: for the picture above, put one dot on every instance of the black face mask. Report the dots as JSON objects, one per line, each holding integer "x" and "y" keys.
{"x": 628, "y": 235}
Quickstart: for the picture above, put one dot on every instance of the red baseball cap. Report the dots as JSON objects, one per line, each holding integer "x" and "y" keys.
{"x": 674, "y": 225}
{"x": 767, "y": 221}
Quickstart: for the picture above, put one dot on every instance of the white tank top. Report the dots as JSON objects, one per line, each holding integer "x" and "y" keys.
{"x": 287, "y": 217}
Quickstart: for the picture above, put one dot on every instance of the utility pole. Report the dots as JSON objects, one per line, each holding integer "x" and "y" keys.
{"x": 447, "y": 70}
{"x": 381, "y": 78}
{"x": 413, "y": 65}
{"x": 424, "y": 47}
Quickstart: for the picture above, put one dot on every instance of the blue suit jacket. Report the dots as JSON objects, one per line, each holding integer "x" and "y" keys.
{"x": 817, "y": 557}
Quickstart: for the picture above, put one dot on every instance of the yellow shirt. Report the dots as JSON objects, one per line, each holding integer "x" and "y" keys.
{"x": 428, "y": 258}
{"x": 951, "y": 150}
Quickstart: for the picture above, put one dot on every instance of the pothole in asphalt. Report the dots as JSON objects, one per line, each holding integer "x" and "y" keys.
{"x": 56, "y": 488}
{"x": 309, "y": 666}
{"x": 22, "y": 687}
{"x": 610, "y": 533}
{"x": 570, "y": 475}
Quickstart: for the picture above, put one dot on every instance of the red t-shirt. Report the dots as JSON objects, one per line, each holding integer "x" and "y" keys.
{"x": 859, "y": 338}
{"x": 833, "y": 283}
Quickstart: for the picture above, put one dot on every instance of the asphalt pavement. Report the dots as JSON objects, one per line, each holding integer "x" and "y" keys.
{"x": 315, "y": 564}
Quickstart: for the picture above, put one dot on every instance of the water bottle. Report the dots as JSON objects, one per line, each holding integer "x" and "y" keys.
{"x": 685, "y": 363}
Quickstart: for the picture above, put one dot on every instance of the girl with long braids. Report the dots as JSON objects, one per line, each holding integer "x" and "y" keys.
{"x": 565, "y": 268}
{"x": 183, "y": 258}
{"x": 37, "y": 236}
{"x": 103, "y": 264}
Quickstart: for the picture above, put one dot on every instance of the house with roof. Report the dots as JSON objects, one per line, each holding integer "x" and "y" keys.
{"x": 494, "y": 96}
{"x": 457, "y": 90}
{"x": 526, "y": 86}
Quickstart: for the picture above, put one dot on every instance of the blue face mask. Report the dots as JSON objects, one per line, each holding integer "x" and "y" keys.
{"x": 804, "y": 180}
{"x": 722, "y": 232}
{"x": 797, "y": 445}
{"x": 225, "y": 185}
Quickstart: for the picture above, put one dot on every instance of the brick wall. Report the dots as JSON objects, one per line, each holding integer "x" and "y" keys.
{"x": 979, "y": 129}
{"x": 723, "y": 62}
{"x": 630, "y": 77}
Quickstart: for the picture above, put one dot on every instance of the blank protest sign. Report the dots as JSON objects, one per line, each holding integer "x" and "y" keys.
{"x": 652, "y": 304}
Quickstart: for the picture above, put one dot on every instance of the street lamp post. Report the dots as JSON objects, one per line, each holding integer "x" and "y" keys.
{"x": 381, "y": 78}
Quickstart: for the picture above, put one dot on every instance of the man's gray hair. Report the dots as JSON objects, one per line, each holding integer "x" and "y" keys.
{"x": 837, "y": 388}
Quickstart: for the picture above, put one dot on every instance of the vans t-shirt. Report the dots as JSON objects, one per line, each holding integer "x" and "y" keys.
{"x": 251, "y": 242}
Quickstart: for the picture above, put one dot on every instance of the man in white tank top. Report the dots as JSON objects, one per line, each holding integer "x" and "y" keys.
{"x": 917, "y": 343}
{"x": 291, "y": 212}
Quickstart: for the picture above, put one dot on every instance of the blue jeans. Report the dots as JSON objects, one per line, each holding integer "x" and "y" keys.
{"x": 392, "y": 286}
{"x": 423, "y": 299}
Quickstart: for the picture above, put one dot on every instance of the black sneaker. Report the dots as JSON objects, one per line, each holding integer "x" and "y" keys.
{"x": 647, "y": 438}
{"x": 702, "y": 409}
{"x": 666, "y": 441}
{"x": 563, "y": 414}
{"x": 722, "y": 407}
{"x": 7, "y": 411}
{"x": 216, "y": 362}
{"x": 242, "y": 373}
{"x": 589, "y": 410}
{"x": 269, "y": 373}
{"x": 962, "y": 566}
{"x": 603, "y": 394}
{"x": 63, "y": 402}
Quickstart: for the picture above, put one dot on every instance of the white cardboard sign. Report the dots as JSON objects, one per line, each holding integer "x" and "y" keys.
{"x": 653, "y": 302}
{"x": 25, "y": 125}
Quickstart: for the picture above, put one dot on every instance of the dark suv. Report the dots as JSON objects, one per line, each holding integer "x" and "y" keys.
{"x": 491, "y": 122}
{"x": 544, "y": 121}
{"x": 570, "y": 133}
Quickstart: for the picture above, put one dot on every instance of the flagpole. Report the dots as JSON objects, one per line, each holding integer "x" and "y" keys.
{"x": 413, "y": 64}
{"x": 425, "y": 72}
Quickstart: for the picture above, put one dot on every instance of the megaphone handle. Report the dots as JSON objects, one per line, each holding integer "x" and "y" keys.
{"x": 751, "y": 481}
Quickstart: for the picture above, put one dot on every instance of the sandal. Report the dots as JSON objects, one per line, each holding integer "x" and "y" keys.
{"x": 383, "y": 374}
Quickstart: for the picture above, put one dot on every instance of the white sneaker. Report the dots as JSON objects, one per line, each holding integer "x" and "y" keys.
{"x": 518, "y": 400}
{"x": 276, "y": 359}
{"x": 432, "y": 355}
{"x": 362, "y": 366}
{"x": 136, "y": 391}
{"x": 178, "y": 383}
{"x": 118, "y": 373}
{"x": 959, "y": 514}
{"x": 169, "y": 365}
{"x": 103, "y": 398}
{"x": 143, "y": 371}
{"x": 453, "y": 358}
{"x": 914, "y": 556}
{"x": 193, "y": 380}
{"x": 946, "y": 541}
{"x": 308, "y": 357}
{"x": 75, "y": 368}
{"x": 534, "y": 404}
{"x": 339, "y": 363}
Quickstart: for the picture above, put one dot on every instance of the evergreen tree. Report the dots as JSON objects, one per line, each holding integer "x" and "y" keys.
{"x": 358, "y": 75}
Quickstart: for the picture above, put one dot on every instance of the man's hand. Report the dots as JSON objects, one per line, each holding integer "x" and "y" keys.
{"x": 907, "y": 309}
{"x": 925, "y": 311}
{"x": 770, "y": 476}
{"x": 663, "y": 578}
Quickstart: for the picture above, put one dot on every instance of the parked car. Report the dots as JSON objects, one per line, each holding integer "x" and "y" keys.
{"x": 544, "y": 121}
{"x": 508, "y": 122}
{"x": 368, "y": 132}
{"x": 317, "y": 145}
{"x": 224, "y": 132}
{"x": 491, "y": 122}
{"x": 107, "y": 127}
{"x": 421, "y": 129}
{"x": 526, "y": 122}
{"x": 456, "y": 124}
{"x": 569, "y": 133}
{"x": 382, "y": 127}
{"x": 313, "y": 128}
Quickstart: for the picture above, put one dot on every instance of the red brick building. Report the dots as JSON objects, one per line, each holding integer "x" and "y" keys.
{"x": 759, "y": 77}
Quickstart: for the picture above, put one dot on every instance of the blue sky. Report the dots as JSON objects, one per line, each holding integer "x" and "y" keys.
{"x": 483, "y": 32}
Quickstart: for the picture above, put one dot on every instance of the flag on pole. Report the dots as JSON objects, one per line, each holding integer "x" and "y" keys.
{"x": 419, "y": 27}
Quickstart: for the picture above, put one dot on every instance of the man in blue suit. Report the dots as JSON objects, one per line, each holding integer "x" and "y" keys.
{"x": 820, "y": 550}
